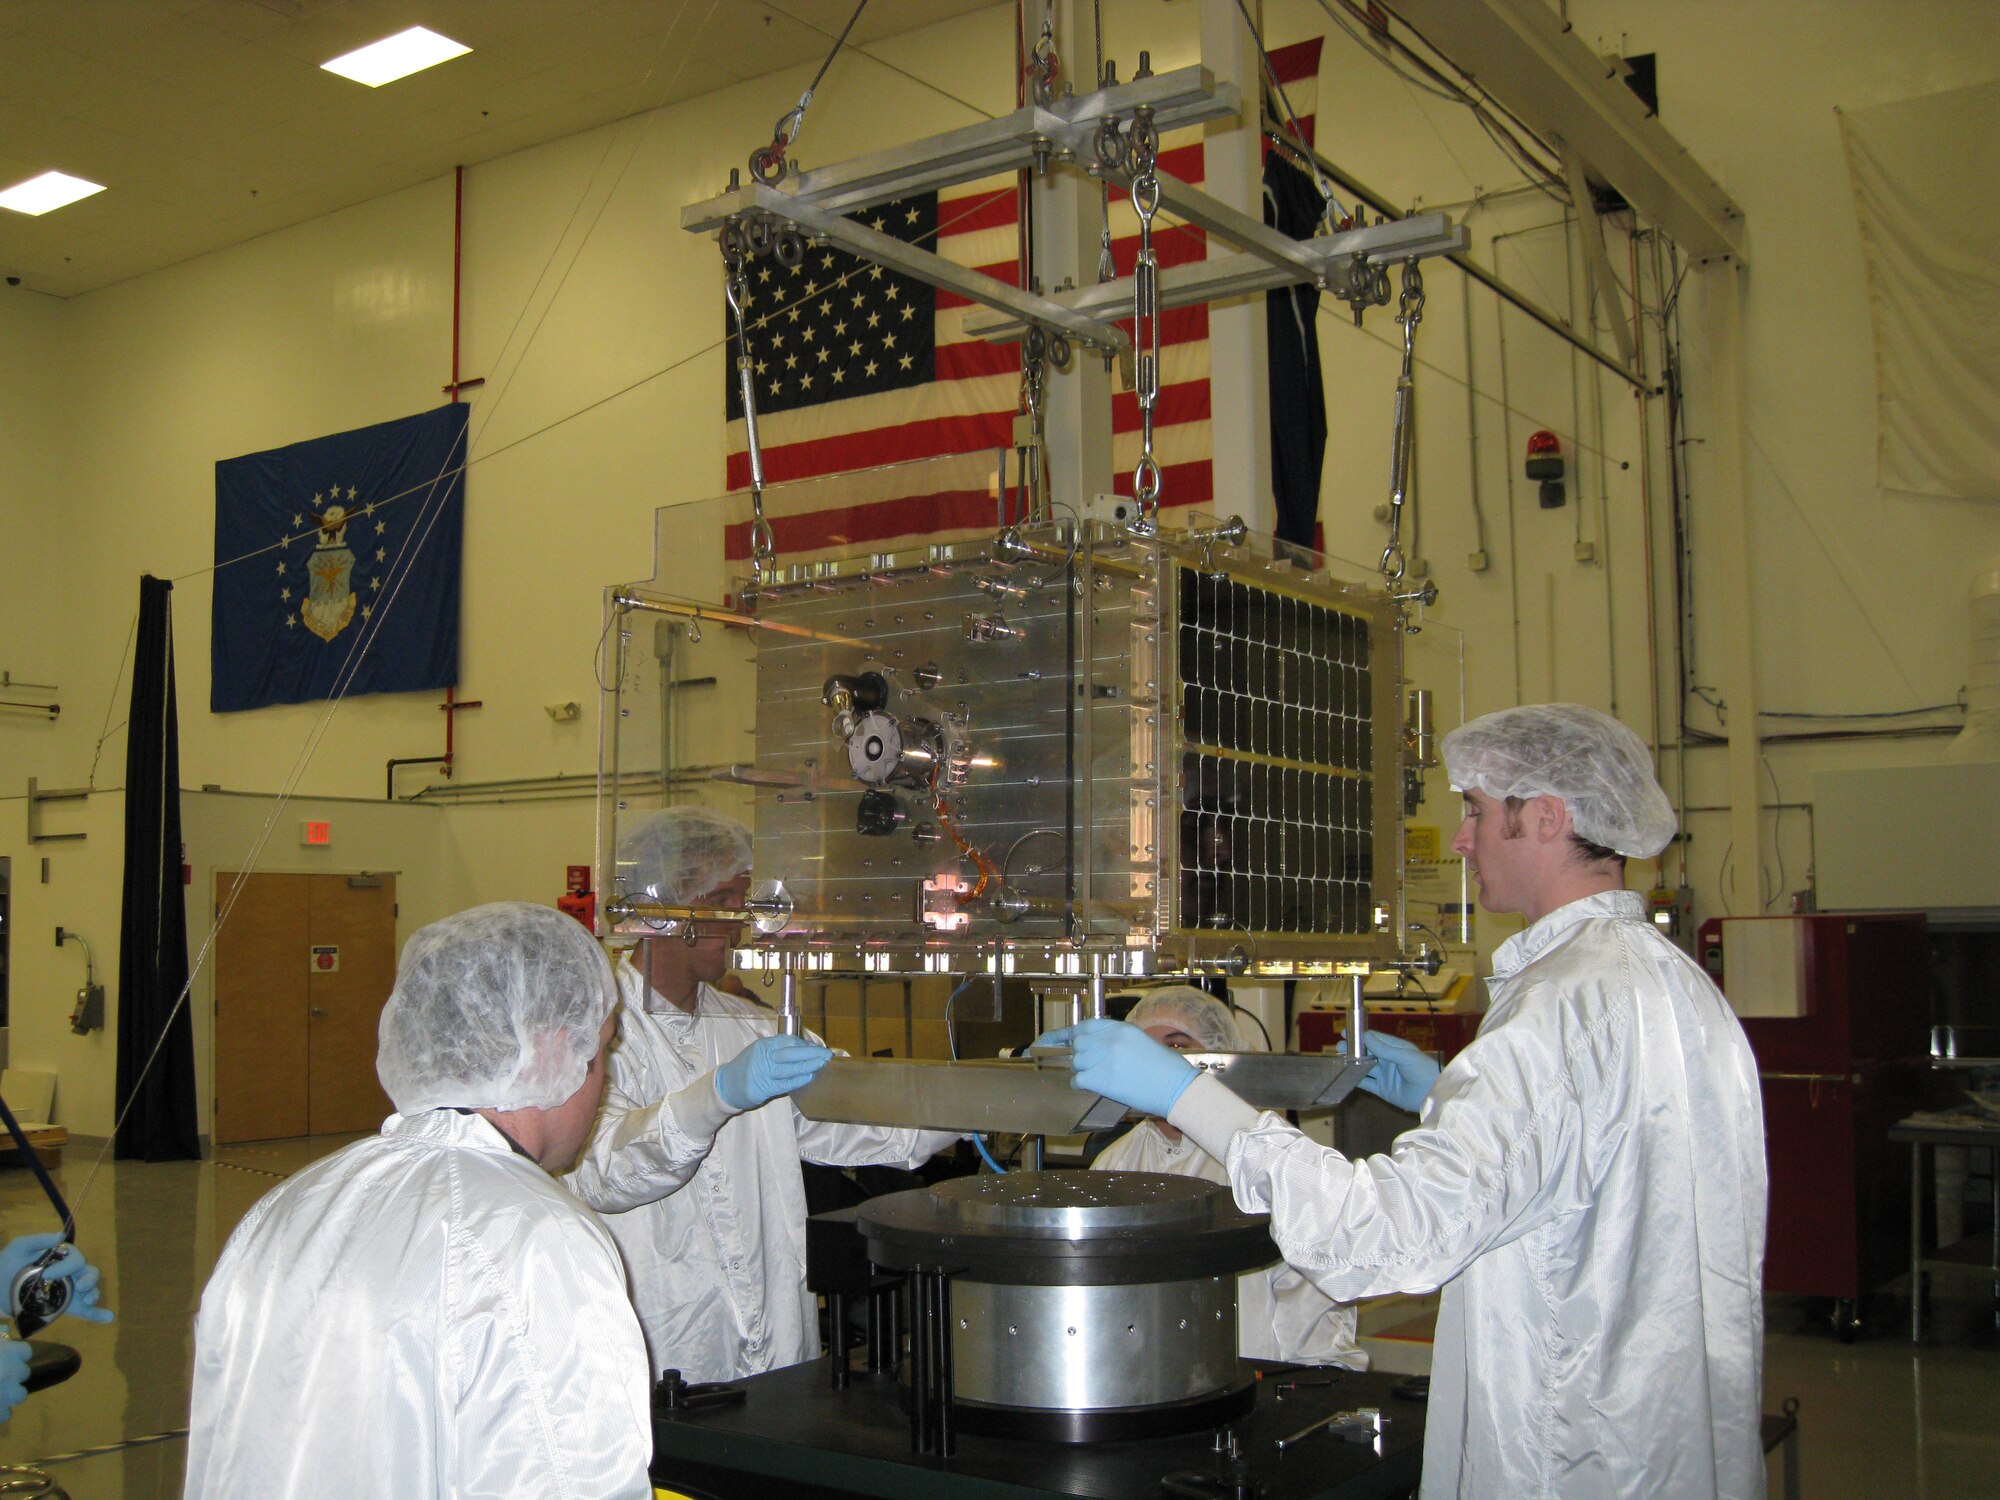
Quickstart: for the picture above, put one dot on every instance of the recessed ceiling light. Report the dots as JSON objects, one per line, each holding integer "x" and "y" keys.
{"x": 396, "y": 57}
{"x": 50, "y": 190}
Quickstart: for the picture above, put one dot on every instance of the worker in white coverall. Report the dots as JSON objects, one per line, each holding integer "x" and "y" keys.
{"x": 1280, "y": 1314}
{"x": 1587, "y": 1179}
{"x": 710, "y": 1214}
{"x": 429, "y": 1312}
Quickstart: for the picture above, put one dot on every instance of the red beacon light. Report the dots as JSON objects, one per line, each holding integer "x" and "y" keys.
{"x": 1545, "y": 464}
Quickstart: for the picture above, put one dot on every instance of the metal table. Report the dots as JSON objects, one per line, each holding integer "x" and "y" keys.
{"x": 1919, "y": 1136}
{"x": 796, "y": 1438}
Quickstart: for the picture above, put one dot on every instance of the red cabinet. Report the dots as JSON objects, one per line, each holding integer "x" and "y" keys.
{"x": 1836, "y": 1075}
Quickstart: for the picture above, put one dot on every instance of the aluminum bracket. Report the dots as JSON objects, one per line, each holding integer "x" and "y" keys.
{"x": 1062, "y": 130}
{"x": 1420, "y": 236}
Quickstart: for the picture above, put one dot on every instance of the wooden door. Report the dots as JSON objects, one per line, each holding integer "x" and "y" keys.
{"x": 355, "y": 914}
{"x": 260, "y": 1008}
{"x": 301, "y": 970}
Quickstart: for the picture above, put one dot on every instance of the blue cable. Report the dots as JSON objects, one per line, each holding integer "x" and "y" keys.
{"x": 979, "y": 1144}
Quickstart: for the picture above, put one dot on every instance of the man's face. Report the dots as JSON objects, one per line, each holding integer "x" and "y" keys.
{"x": 1498, "y": 852}
{"x": 708, "y": 955}
{"x": 1171, "y": 1035}
{"x": 570, "y": 1121}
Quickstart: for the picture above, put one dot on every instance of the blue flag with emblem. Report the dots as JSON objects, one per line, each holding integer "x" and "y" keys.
{"x": 337, "y": 562}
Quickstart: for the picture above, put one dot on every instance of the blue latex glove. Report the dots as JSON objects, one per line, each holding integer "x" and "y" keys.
{"x": 1403, "y": 1071}
{"x": 22, "y": 1253}
{"x": 14, "y": 1356}
{"x": 86, "y": 1280}
{"x": 70, "y": 1266}
{"x": 1121, "y": 1062}
{"x": 767, "y": 1068}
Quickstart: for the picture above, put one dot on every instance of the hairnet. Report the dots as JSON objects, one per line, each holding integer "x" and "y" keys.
{"x": 679, "y": 853}
{"x": 1599, "y": 768}
{"x": 1194, "y": 1011}
{"x": 498, "y": 1007}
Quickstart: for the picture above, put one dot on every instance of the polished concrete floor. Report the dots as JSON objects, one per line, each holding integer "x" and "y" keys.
{"x": 1879, "y": 1418}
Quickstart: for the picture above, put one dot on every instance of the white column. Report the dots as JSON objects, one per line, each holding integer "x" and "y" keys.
{"x": 1238, "y": 360}
{"x": 1066, "y": 223}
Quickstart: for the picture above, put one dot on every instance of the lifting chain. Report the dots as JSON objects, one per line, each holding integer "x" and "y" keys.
{"x": 736, "y": 285}
{"x": 1034, "y": 377}
{"x": 1409, "y": 313}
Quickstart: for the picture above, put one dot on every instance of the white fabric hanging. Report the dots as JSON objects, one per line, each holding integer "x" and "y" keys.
{"x": 1923, "y": 172}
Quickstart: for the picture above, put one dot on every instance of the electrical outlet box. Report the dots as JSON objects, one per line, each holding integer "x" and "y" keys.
{"x": 88, "y": 1016}
{"x": 1586, "y": 551}
{"x": 1477, "y": 561}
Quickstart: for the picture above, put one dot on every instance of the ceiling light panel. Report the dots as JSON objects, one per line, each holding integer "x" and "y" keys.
{"x": 396, "y": 57}
{"x": 50, "y": 190}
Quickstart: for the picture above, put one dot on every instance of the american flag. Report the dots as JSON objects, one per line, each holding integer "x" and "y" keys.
{"x": 868, "y": 386}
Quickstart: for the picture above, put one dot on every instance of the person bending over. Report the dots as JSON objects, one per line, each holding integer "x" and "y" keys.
{"x": 1280, "y": 1315}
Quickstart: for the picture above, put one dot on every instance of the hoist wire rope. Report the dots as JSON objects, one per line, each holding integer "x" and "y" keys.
{"x": 1333, "y": 210}
{"x": 882, "y": 62}
{"x": 838, "y": 42}
{"x": 410, "y": 547}
{"x": 504, "y": 383}
{"x": 972, "y": 206}
{"x": 1396, "y": 346}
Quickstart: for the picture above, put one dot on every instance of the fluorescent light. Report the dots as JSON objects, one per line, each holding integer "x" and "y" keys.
{"x": 396, "y": 57}
{"x": 50, "y": 190}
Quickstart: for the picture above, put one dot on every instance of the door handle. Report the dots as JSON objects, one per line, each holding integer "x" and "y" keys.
{"x": 315, "y": 1010}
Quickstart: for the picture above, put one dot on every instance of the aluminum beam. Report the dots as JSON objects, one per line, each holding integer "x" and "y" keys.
{"x": 925, "y": 265}
{"x": 1036, "y": 1097}
{"x": 1065, "y": 129}
{"x": 1245, "y": 273}
{"x": 1603, "y": 285}
{"x": 1526, "y": 55}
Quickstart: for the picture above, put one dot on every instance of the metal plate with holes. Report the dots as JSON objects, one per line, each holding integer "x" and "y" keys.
{"x": 1017, "y": 1097}
{"x": 1071, "y": 1205}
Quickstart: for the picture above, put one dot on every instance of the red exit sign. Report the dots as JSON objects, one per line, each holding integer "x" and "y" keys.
{"x": 315, "y": 834}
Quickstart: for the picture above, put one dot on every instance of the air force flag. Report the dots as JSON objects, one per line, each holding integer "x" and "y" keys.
{"x": 337, "y": 564}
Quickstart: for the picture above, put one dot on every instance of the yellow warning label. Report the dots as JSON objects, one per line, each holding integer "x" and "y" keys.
{"x": 1420, "y": 843}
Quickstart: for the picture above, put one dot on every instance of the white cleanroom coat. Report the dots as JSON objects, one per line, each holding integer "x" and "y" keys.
{"x": 423, "y": 1314}
{"x": 712, "y": 1222}
{"x": 1279, "y": 1313}
{"x": 1587, "y": 1184}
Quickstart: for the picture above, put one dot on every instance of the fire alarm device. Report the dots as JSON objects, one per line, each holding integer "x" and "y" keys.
{"x": 1545, "y": 463}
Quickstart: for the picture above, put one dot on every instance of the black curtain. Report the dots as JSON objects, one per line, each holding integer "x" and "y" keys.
{"x": 1292, "y": 204}
{"x": 155, "y": 1088}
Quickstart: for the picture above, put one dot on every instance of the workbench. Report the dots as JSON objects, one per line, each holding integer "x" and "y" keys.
{"x": 1968, "y": 1253}
{"x": 796, "y": 1438}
